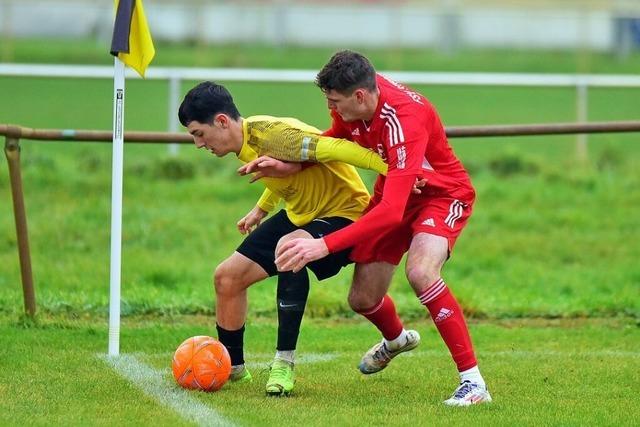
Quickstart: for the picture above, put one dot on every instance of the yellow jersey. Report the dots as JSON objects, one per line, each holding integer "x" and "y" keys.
{"x": 320, "y": 190}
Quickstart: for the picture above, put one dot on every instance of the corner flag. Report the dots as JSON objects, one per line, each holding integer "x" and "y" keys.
{"x": 131, "y": 45}
{"x": 131, "y": 41}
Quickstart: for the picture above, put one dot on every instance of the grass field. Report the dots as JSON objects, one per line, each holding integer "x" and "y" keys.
{"x": 547, "y": 268}
{"x": 541, "y": 373}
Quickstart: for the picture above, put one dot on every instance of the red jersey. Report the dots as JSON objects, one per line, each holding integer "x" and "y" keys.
{"x": 408, "y": 134}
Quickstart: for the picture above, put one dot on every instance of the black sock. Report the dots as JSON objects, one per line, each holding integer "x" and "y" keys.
{"x": 234, "y": 342}
{"x": 293, "y": 291}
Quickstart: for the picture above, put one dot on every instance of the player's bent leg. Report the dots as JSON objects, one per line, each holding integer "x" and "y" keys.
{"x": 231, "y": 280}
{"x": 426, "y": 256}
{"x": 292, "y": 294}
{"x": 370, "y": 284}
{"x": 297, "y": 234}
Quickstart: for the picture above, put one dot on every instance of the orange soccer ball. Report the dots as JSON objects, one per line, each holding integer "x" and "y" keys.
{"x": 201, "y": 363}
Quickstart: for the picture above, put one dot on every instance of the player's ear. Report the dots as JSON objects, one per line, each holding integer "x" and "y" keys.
{"x": 222, "y": 120}
{"x": 359, "y": 93}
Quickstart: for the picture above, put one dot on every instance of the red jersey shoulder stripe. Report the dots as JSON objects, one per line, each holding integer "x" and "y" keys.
{"x": 396, "y": 135}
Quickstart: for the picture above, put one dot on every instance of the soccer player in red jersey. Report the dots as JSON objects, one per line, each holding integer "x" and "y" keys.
{"x": 404, "y": 128}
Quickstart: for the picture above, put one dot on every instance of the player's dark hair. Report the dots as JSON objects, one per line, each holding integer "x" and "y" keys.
{"x": 345, "y": 72}
{"x": 204, "y": 101}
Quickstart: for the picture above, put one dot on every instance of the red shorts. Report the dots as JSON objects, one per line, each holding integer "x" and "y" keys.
{"x": 442, "y": 216}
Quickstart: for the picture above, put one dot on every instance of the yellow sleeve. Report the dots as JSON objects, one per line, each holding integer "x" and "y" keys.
{"x": 268, "y": 201}
{"x": 332, "y": 149}
{"x": 283, "y": 141}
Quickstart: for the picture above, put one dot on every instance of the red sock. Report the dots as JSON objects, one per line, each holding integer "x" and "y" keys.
{"x": 449, "y": 319}
{"x": 385, "y": 317}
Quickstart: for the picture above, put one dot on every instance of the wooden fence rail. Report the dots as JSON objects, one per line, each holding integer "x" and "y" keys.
{"x": 452, "y": 132}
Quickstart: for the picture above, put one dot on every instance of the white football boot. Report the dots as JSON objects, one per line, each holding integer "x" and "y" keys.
{"x": 379, "y": 356}
{"x": 468, "y": 394}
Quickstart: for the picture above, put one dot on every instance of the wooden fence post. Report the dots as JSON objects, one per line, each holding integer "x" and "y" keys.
{"x": 12, "y": 151}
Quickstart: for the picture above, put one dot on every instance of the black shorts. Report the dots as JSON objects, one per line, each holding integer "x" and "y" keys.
{"x": 260, "y": 244}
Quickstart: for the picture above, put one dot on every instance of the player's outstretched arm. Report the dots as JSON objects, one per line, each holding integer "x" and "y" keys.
{"x": 265, "y": 166}
{"x": 334, "y": 149}
{"x": 284, "y": 142}
{"x": 296, "y": 253}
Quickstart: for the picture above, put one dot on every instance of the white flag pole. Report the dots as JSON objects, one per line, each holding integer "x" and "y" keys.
{"x": 116, "y": 207}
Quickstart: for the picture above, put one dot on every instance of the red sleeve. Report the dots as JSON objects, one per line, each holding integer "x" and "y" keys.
{"x": 405, "y": 140}
{"x": 386, "y": 214}
{"x": 338, "y": 128}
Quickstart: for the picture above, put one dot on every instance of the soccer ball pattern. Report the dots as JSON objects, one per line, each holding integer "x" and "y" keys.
{"x": 201, "y": 363}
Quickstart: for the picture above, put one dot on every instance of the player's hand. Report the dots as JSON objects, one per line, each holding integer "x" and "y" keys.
{"x": 251, "y": 220}
{"x": 296, "y": 253}
{"x": 265, "y": 166}
{"x": 420, "y": 182}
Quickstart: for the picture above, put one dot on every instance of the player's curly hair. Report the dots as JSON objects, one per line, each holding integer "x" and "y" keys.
{"x": 204, "y": 101}
{"x": 345, "y": 72}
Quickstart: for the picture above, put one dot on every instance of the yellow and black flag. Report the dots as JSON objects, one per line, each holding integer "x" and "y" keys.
{"x": 131, "y": 41}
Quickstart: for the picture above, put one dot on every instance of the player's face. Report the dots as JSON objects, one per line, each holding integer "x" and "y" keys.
{"x": 349, "y": 107}
{"x": 215, "y": 138}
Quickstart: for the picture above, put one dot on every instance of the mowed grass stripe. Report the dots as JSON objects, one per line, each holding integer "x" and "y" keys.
{"x": 301, "y": 358}
{"x": 154, "y": 384}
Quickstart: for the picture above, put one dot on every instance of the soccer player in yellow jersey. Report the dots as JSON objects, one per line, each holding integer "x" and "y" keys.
{"x": 319, "y": 199}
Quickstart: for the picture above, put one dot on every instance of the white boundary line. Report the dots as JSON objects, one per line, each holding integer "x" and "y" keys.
{"x": 153, "y": 383}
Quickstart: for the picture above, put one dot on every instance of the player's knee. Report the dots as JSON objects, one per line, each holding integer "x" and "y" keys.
{"x": 422, "y": 275}
{"x": 355, "y": 303}
{"x": 298, "y": 234}
{"x": 360, "y": 301}
{"x": 224, "y": 281}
